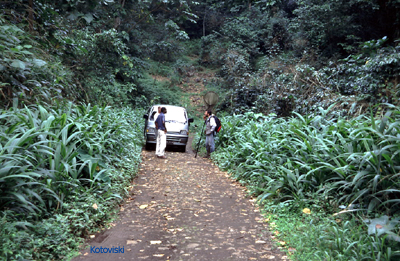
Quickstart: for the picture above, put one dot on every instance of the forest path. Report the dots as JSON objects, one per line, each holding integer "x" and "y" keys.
{"x": 185, "y": 208}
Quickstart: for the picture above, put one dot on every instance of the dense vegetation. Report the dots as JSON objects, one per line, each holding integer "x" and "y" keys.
{"x": 306, "y": 55}
{"x": 327, "y": 165}
{"x": 72, "y": 70}
{"x": 63, "y": 169}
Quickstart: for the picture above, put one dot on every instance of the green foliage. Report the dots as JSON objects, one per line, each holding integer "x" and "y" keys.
{"x": 108, "y": 74}
{"x": 211, "y": 50}
{"x": 371, "y": 74}
{"x": 383, "y": 225}
{"x": 253, "y": 33}
{"x": 325, "y": 163}
{"x": 345, "y": 161}
{"x": 101, "y": 46}
{"x": 320, "y": 23}
{"x": 192, "y": 47}
{"x": 48, "y": 239}
{"x": 25, "y": 72}
{"x": 57, "y": 163}
{"x": 236, "y": 67}
{"x": 89, "y": 51}
{"x": 284, "y": 85}
{"x": 72, "y": 161}
{"x": 151, "y": 91}
{"x": 174, "y": 28}
{"x": 183, "y": 67}
{"x": 163, "y": 50}
{"x": 284, "y": 56}
{"x": 329, "y": 25}
{"x": 317, "y": 236}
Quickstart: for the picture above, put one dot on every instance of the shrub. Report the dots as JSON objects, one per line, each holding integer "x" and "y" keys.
{"x": 63, "y": 163}
{"x": 326, "y": 164}
{"x": 27, "y": 74}
{"x": 352, "y": 161}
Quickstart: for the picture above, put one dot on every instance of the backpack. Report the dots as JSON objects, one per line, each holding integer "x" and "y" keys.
{"x": 218, "y": 122}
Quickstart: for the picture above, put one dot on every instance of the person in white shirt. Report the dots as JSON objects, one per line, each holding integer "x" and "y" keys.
{"x": 210, "y": 128}
{"x": 155, "y": 114}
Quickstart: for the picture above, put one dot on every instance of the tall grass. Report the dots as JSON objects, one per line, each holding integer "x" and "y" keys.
{"x": 319, "y": 161}
{"x": 63, "y": 161}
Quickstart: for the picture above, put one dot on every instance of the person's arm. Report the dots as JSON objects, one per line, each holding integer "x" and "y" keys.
{"x": 163, "y": 122}
{"x": 153, "y": 116}
{"x": 156, "y": 123}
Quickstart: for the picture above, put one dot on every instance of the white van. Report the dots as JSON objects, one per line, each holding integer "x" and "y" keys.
{"x": 176, "y": 121}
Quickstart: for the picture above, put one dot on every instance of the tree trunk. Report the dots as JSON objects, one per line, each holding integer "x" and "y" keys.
{"x": 117, "y": 21}
{"x": 204, "y": 21}
{"x": 30, "y": 16}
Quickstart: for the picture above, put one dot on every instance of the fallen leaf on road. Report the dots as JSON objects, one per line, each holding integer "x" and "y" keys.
{"x": 192, "y": 245}
{"x": 143, "y": 206}
{"x": 155, "y": 242}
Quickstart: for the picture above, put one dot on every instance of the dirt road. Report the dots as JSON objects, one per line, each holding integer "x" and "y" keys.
{"x": 185, "y": 208}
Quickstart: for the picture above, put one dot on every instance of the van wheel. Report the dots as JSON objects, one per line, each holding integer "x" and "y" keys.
{"x": 149, "y": 146}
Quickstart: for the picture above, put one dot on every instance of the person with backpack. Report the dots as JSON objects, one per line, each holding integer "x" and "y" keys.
{"x": 210, "y": 129}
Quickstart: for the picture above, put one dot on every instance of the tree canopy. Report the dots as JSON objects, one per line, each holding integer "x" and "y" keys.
{"x": 98, "y": 51}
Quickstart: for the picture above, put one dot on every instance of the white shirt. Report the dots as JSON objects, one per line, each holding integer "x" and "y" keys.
{"x": 210, "y": 125}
